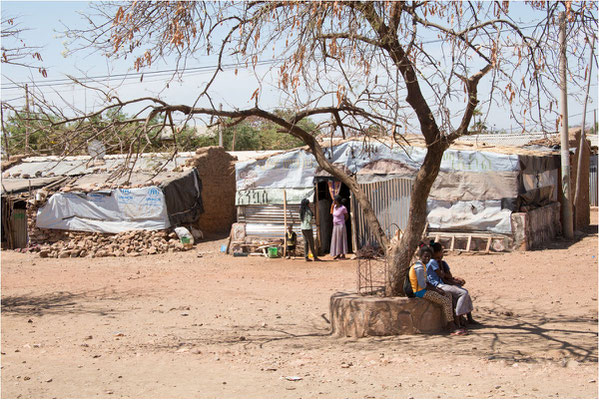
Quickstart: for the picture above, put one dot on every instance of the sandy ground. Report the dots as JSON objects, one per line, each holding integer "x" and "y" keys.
{"x": 215, "y": 326}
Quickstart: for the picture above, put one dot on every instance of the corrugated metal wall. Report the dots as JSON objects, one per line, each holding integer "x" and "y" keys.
{"x": 267, "y": 221}
{"x": 593, "y": 181}
{"x": 391, "y": 202}
{"x": 19, "y": 225}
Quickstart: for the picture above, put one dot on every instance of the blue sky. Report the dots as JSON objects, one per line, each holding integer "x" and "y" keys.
{"x": 45, "y": 20}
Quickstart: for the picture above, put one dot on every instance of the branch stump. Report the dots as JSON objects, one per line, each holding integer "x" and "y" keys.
{"x": 353, "y": 315}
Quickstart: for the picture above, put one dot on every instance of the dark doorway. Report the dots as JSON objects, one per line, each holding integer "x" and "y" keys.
{"x": 325, "y": 219}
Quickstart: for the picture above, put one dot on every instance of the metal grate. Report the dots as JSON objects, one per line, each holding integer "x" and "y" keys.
{"x": 372, "y": 276}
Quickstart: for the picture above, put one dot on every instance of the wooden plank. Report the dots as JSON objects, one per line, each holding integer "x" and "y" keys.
{"x": 488, "y": 245}
{"x": 284, "y": 223}
{"x": 469, "y": 242}
{"x": 452, "y": 242}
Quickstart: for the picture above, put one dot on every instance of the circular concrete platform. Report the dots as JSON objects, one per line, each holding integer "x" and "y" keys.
{"x": 354, "y": 315}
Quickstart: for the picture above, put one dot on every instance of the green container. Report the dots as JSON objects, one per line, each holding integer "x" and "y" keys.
{"x": 185, "y": 240}
{"x": 273, "y": 252}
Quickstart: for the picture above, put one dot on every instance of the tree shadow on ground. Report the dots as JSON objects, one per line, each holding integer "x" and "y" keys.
{"x": 59, "y": 303}
{"x": 246, "y": 336}
{"x": 531, "y": 337}
{"x": 561, "y": 243}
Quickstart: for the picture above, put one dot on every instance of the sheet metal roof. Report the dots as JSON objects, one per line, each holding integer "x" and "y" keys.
{"x": 82, "y": 165}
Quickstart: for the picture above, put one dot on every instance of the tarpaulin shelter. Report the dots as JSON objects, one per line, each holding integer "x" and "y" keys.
{"x": 477, "y": 190}
{"x": 90, "y": 198}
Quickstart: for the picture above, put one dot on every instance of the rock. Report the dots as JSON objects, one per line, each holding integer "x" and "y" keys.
{"x": 64, "y": 254}
{"x": 44, "y": 253}
{"x": 152, "y": 250}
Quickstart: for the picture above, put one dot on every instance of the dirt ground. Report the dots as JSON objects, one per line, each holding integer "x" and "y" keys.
{"x": 184, "y": 326}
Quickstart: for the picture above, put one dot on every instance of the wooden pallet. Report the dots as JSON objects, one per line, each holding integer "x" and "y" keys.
{"x": 452, "y": 236}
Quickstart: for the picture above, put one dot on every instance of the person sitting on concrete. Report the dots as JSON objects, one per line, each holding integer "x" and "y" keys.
{"x": 291, "y": 240}
{"x": 423, "y": 289}
{"x": 439, "y": 275}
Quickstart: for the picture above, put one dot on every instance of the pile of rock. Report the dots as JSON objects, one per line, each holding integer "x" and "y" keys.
{"x": 124, "y": 244}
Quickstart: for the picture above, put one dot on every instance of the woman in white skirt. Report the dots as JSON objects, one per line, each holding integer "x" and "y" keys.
{"x": 339, "y": 236}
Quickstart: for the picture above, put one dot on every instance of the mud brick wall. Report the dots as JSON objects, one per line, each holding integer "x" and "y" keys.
{"x": 217, "y": 171}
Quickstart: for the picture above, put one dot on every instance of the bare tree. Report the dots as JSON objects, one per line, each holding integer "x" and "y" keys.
{"x": 398, "y": 66}
{"x": 14, "y": 49}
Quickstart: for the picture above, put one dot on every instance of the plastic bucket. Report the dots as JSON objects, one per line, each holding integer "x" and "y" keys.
{"x": 273, "y": 252}
{"x": 185, "y": 240}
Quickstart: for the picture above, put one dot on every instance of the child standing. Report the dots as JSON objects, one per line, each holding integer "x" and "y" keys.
{"x": 291, "y": 240}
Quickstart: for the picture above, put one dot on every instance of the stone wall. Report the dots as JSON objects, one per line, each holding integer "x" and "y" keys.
{"x": 353, "y": 315}
{"x": 217, "y": 172}
{"x": 534, "y": 228}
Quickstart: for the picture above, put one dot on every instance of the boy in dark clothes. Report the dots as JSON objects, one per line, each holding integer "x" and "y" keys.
{"x": 291, "y": 241}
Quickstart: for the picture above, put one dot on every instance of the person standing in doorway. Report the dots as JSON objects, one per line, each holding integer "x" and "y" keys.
{"x": 339, "y": 236}
{"x": 306, "y": 217}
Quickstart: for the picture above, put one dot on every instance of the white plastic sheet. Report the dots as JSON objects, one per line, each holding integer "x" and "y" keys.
{"x": 110, "y": 211}
{"x": 469, "y": 216}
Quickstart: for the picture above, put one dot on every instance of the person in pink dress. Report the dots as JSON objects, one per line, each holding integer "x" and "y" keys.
{"x": 339, "y": 236}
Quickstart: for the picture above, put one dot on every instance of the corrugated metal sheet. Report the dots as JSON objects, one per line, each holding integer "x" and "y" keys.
{"x": 391, "y": 203}
{"x": 267, "y": 221}
{"x": 19, "y": 225}
{"x": 78, "y": 165}
{"x": 593, "y": 181}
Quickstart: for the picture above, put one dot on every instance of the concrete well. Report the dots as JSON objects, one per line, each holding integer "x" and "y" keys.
{"x": 353, "y": 315}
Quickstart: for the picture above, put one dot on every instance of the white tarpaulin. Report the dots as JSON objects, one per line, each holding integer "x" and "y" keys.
{"x": 110, "y": 211}
{"x": 469, "y": 216}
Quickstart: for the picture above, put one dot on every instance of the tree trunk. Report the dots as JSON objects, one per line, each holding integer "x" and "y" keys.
{"x": 399, "y": 255}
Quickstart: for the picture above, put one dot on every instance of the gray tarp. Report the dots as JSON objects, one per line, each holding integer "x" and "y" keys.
{"x": 109, "y": 211}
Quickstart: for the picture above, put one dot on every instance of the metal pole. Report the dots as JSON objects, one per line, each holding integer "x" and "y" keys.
{"x": 27, "y": 119}
{"x": 582, "y": 133}
{"x": 284, "y": 223}
{"x": 568, "y": 229}
{"x": 220, "y": 129}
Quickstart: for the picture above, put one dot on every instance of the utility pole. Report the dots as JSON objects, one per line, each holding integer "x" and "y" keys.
{"x": 567, "y": 228}
{"x": 4, "y": 133}
{"x": 220, "y": 129}
{"x": 27, "y": 119}
{"x": 582, "y": 143}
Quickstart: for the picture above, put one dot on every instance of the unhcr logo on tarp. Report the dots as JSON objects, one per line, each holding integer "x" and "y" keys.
{"x": 125, "y": 196}
{"x": 153, "y": 197}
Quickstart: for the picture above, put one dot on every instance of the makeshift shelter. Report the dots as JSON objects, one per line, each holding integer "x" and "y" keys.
{"x": 479, "y": 192}
{"x": 83, "y": 194}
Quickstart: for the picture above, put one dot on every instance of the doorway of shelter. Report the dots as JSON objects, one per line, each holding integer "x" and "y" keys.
{"x": 325, "y": 218}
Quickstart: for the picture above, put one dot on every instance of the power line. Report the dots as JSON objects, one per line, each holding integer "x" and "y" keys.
{"x": 134, "y": 75}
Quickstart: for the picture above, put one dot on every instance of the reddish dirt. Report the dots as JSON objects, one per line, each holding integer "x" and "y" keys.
{"x": 215, "y": 326}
